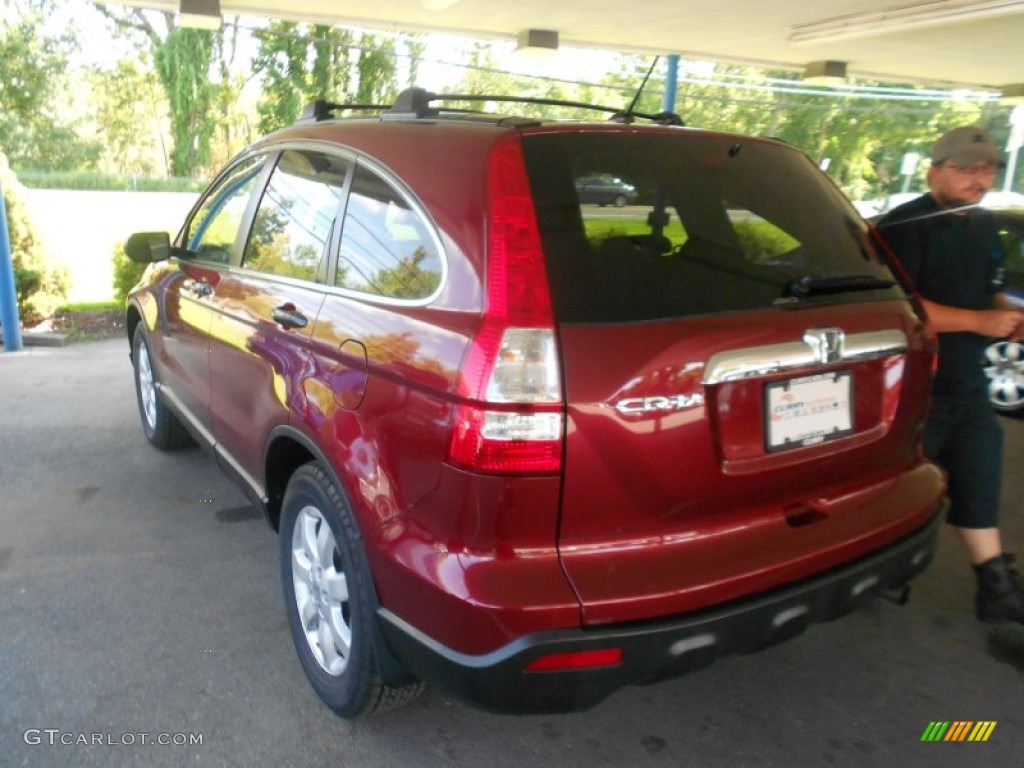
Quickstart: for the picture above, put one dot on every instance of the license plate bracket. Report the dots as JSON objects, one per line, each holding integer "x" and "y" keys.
{"x": 808, "y": 410}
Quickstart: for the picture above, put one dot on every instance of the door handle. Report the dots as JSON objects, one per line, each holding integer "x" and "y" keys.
{"x": 288, "y": 316}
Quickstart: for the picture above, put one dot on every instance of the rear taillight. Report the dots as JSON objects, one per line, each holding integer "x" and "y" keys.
{"x": 511, "y": 419}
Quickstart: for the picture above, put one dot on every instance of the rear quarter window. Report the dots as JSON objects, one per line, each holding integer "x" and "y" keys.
{"x": 388, "y": 247}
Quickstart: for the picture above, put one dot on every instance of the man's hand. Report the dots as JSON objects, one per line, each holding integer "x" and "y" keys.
{"x": 998, "y": 323}
{"x": 995, "y": 323}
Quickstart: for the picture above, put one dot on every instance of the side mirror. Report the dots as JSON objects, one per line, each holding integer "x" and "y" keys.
{"x": 147, "y": 247}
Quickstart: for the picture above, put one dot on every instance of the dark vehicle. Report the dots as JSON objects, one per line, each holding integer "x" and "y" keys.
{"x": 605, "y": 190}
{"x": 526, "y": 453}
{"x": 1004, "y": 359}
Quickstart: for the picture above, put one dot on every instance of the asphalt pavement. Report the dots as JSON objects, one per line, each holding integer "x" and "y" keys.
{"x": 142, "y": 624}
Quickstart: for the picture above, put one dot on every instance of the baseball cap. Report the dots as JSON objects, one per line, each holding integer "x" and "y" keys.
{"x": 966, "y": 146}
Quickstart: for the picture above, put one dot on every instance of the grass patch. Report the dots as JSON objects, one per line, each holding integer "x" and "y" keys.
{"x": 90, "y": 306}
{"x": 93, "y": 180}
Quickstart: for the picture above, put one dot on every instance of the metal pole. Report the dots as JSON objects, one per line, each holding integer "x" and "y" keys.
{"x": 8, "y": 290}
{"x": 668, "y": 103}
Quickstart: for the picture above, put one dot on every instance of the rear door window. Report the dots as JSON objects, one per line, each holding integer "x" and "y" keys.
{"x": 716, "y": 224}
{"x": 296, "y": 217}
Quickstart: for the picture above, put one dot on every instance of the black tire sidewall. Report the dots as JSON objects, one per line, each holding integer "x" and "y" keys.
{"x": 349, "y": 693}
{"x": 157, "y": 434}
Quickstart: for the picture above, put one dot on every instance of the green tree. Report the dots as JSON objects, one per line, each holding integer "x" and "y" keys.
{"x": 183, "y": 58}
{"x": 129, "y": 111}
{"x": 235, "y": 124}
{"x": 376, "y": 70}
{"x": 36, "y": 131}
{"x": 863, "y": 139}
{"x": 41, "y": 285}
{"x": 300, "y": 63}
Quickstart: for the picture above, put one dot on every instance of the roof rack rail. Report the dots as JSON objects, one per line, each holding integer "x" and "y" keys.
{"x": 416, "y": 103}
{"x": 321, "y": 109}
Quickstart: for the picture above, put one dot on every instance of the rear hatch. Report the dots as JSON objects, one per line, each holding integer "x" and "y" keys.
{"x": 744, "y": 377}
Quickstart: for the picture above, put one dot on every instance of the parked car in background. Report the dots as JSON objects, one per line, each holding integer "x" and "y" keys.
{"x": 1004, "y": 359}
{"x": 603, "y": 189}
{"x": 518, "y": 448}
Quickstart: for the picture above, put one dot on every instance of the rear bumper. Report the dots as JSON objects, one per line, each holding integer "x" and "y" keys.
{"x": 657, "y": 649}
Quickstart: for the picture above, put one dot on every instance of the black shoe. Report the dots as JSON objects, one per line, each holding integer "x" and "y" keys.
{"x": 1000, "y": 592}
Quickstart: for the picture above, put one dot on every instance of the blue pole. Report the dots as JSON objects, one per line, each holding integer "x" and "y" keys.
{"x": 8, "y": 291}
{"x": 671, "y": 83}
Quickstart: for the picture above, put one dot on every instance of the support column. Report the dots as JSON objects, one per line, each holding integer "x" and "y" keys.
{"x": 8, "y": 289}
{"x": 668, "y": 103}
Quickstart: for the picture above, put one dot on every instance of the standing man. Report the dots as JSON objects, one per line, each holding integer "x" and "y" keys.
{"x": 953, "y": 255}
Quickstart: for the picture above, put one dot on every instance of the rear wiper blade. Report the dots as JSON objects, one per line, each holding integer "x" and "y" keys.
{"x": 810, "y": 285}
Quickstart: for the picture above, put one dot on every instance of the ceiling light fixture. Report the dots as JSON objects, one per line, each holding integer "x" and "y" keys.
{"x": 199, "y": 14}
{"x": 825, "y": 73}
{"x": 901, "y": 18}
{"x": 438, "y": 5}
{"x": 537, "y": 42}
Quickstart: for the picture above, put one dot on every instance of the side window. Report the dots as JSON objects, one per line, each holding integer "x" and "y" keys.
{"x": 386, "y": 246}
{"x": 293, "y": 224}
{"x": 214, "y": 228}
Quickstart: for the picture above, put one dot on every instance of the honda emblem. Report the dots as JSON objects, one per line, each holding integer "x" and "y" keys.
{"x": 826, "y": 344}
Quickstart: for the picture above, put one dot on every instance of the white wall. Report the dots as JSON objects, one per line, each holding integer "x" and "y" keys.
{"x": 80, "y": 228}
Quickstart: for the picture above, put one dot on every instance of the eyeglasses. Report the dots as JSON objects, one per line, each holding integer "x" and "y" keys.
{"x": 978, "y": 169}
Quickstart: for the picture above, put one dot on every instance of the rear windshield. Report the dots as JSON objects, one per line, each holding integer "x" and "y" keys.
{"x": 644, "y": 226}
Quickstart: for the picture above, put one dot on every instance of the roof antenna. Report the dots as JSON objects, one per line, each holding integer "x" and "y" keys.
{"x": 627, "y": 116}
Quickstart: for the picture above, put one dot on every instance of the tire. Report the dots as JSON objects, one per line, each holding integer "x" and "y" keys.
{"x": 330, "y": 599}
{"x": 620, "y": 201}
{"x": 1004, "y": 366}
{"x": 159, "y": 424}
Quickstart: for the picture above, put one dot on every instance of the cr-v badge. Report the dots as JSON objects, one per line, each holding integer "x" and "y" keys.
{"x": 658, "y": 403}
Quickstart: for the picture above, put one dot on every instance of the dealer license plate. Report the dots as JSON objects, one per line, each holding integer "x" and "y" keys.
{"x": 808, "y": 410}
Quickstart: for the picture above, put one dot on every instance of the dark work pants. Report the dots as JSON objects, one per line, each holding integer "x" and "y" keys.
{"x": 964, "y": 437}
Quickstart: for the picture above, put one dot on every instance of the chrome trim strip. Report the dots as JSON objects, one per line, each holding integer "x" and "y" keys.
{"x": 185, "y": 413}
{"x": 754, "y": 362}
{"x": 209, "y": 439}
{"x": 236, "y": 467}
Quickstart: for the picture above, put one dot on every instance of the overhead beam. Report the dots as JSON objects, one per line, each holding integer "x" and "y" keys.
{"x": 900, "y": 19}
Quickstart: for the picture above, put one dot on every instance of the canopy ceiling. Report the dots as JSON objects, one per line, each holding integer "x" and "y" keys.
{"x": 967, "y": 43}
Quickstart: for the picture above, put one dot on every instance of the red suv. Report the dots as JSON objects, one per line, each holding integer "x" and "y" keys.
{"x": 532, "y": 450}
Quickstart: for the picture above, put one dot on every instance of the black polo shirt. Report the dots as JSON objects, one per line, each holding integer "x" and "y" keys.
{"x": 954, "y": 259}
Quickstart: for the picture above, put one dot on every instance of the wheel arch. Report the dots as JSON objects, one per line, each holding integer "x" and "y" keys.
{"x": 287, "y": 450}
{"x": 132, "y": 318}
